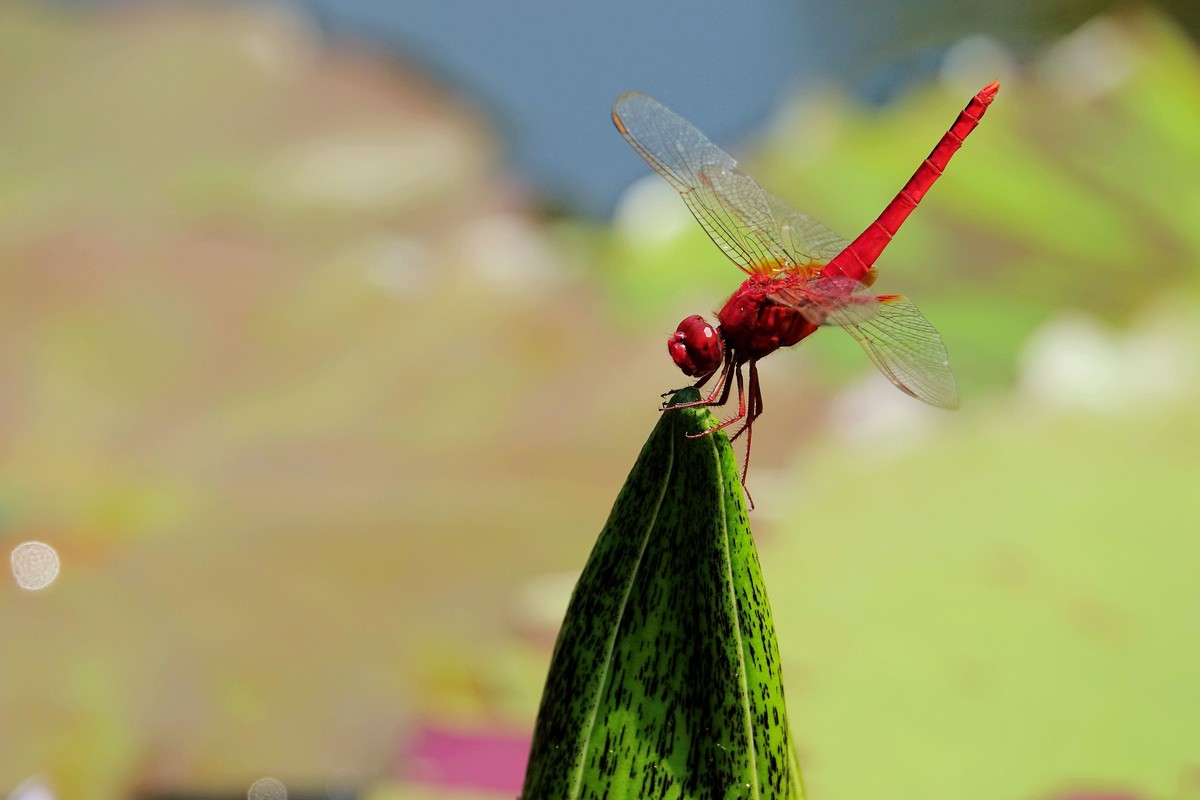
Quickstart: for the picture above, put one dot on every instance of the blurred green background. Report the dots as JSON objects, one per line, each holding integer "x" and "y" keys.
{"x": 322, "y": 406}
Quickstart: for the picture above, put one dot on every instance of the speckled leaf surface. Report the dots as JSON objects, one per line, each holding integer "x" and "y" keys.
{"x": 665, "y": 681}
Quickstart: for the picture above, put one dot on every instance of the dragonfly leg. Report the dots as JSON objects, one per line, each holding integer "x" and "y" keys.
{"x": 721, "y": 387}
{"x": 698, "y": 384}
{"x": 737, "y": 371}
{"x": 750, "y": 411}
{"x": 753, "y": 412}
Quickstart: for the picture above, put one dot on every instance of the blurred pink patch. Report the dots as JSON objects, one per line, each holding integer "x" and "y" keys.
{"x": 475, "y": 759}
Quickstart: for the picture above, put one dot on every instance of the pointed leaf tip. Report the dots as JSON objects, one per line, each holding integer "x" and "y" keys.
{"x": 688, "y": 394}
{"x": 665, "y": 679}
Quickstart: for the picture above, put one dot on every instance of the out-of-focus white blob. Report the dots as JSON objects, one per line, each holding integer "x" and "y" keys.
{"x": 400, "y": 168}
{"x": 32, "y": 789}
{"x": 1089, "y": 62}
{"x": 650, "y": 211}
{"x": 542, "y": 602}
{"x": 507, "y": 251}
{"x": 1073, "y": 362}
{"x": 278, "y": 40}
{"x": 873, "y": 414}
{"x": 34, "y": 565}
{"x": 267, "y": 789}
{"x": 808, "y": 125}
{"x": 399, "y": 264}
{"x": 973, "y": 62}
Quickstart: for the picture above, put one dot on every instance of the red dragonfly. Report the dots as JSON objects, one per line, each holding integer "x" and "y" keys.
{"x": 801, "y": 274}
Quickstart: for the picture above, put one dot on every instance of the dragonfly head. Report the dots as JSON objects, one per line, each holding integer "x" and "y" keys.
{"x": 696, "y": 347}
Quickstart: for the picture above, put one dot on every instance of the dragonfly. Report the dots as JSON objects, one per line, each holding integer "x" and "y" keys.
{"x": 801, "y": 276}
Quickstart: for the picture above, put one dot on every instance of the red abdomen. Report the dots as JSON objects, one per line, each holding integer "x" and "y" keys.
{"x": 755, "y": 326}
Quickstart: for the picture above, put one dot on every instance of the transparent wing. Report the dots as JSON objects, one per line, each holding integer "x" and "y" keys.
{"x": 757, "y": 231}
{"x": 908, "y": 350}
{"x": 835, "y": 300}
{"x": 897, "y": 337}
{"x": 803, "y": 236}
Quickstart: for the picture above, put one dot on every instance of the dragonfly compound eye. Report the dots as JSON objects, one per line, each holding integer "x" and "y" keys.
{"x": 696, "y": 347}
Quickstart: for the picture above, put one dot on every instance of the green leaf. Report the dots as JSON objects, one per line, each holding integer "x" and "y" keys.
{"x": 665, "y": 681}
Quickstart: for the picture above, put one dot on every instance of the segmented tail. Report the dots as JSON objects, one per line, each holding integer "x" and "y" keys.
{"x": 859, "y": 256}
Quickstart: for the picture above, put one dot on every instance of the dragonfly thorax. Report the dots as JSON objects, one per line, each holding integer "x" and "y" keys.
{"x": 755, "y": 325}
{"x": 696, "y": 347}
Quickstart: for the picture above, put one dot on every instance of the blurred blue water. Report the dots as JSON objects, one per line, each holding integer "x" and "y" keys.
{"x": 549, "y": 72}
